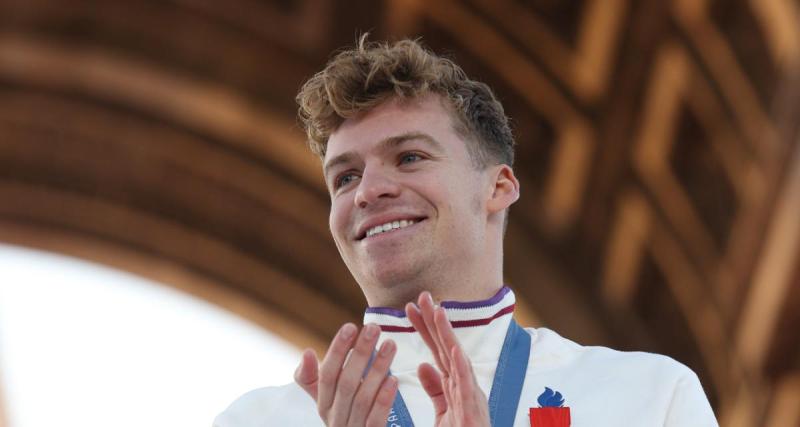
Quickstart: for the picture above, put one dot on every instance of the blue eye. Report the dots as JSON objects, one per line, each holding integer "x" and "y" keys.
{"x": 409, "y": 158}
{"x": 344, "y": 179}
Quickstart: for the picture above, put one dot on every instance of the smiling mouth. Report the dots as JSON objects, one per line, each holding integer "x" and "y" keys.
{"x": 390, "y": 226}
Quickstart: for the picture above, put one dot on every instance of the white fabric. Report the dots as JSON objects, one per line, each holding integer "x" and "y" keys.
{"x": 602, "y": 387}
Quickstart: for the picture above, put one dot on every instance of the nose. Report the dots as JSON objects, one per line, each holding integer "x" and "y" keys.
{"x": 373, "y": 186}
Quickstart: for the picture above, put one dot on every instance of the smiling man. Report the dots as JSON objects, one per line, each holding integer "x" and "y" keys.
{"x": 410, "y": 207}
{"x": 418, "y": 161}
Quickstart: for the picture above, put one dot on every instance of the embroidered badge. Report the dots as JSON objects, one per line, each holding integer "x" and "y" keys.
{"x": 552, "y": 412}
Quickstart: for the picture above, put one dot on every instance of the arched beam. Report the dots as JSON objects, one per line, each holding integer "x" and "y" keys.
{"x": 204, "y": 106}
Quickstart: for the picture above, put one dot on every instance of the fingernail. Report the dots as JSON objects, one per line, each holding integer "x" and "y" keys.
{"x": 387, "y": 347}
{"x": 370, "y": 331}
{"x": 347, "y": 330}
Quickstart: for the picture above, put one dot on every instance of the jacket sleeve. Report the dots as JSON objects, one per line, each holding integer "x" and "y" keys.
{"x": 689, "y": 405}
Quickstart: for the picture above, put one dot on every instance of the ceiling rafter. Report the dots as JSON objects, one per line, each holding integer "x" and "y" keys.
{"x": 204, "y": 106}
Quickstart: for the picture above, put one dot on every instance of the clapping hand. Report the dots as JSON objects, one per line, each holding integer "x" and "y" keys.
{"x": 345, "y": 395}
{"x": 457, "y": 399}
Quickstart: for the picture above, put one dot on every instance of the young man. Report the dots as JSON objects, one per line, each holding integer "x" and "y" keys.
{"x": 417, "y": 159}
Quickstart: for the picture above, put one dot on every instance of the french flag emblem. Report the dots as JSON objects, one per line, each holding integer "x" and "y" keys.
{"x": 552, "y": 412}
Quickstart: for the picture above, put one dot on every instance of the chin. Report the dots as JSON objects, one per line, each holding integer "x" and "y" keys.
{"x": 397, "y": 275}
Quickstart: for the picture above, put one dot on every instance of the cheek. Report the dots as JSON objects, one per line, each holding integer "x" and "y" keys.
{"x": 341, "y": 219}
{"x": 337, "y": 219}
{"x": 465, "y": 202}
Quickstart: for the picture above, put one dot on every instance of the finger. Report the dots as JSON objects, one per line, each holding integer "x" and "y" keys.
{"x": 370, "y": 386}
{"x": 445, "y": 333}
{"x": 383, "y": 403}
{"x": 331, "y": 366}
{"x": 462, "y": 375}
{"x": 307, "y": 373}
{"x": 444, "y": 329}
{"x": 468, "y": 392}
{"x": 432, "y": 384}
{"x": 415, "y": 316}
{"x": 467, "y": 389}
{"x": 427, "y": 332}
{"x": 352, "y": 373}
{"x": 427, "y": 308}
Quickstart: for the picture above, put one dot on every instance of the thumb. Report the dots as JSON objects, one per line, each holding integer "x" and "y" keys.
{"x": 307, "y": 373}
{"x": 432, "y": 383}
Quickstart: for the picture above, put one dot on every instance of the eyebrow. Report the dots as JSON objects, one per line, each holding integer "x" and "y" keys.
{"x": 384, "y": 145}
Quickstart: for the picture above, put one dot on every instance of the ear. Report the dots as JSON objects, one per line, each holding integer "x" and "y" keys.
{"x": 505, "y": 189}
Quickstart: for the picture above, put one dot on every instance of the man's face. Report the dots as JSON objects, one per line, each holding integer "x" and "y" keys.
{"x": 407, "y": 201}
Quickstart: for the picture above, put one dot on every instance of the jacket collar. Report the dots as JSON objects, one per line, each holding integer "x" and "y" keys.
{"x": 479, "y": 325}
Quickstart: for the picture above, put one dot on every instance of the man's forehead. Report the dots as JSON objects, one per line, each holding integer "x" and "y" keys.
{"x": 390, "y": 123}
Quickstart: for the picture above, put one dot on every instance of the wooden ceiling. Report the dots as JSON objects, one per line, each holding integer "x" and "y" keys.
{"x": 658, "y": 150}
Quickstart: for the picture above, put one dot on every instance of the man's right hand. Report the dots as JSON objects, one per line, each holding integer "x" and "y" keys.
{"x": 345, "y": 394}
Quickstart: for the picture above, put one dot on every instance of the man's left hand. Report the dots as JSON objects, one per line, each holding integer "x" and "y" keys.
{"x": 456, "y": 397}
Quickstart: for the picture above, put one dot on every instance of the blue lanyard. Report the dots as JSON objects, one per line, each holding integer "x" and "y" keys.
{"x": 506, "y": 387}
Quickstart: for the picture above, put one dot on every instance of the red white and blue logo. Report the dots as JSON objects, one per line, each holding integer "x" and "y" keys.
{"x": 551, "y": 411}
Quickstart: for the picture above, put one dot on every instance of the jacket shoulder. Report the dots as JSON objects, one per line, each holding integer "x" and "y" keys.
{"x": 627, "y": 376}
{"x": 554, "y": 352}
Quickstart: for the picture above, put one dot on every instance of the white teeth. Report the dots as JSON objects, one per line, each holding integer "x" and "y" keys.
{"x": 389, "y": 226}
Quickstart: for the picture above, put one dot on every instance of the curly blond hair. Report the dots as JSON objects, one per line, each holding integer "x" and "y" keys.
{"x": 357, "y": 80}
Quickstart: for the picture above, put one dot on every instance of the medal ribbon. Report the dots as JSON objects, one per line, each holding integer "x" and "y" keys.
{"x": 506, "y": 387}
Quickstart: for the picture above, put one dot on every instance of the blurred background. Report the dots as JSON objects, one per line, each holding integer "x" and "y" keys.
{"x": 163, "y": 230}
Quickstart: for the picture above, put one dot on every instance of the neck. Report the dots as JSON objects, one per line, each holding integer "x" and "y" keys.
{"x": 399, "y": 294}
{"x": 462, "y": 294}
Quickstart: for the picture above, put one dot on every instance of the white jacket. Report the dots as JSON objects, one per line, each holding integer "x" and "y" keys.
{"x": 600, "y": 386}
